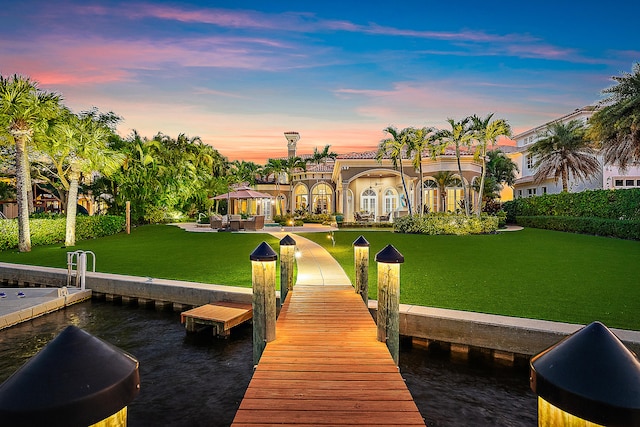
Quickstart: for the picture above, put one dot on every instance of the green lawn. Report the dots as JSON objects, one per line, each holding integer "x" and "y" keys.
{"x": 161, "y": 251}
{"x": 531, "y": 273}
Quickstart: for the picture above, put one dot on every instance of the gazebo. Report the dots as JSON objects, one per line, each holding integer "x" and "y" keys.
{"x": 248, "y": 201}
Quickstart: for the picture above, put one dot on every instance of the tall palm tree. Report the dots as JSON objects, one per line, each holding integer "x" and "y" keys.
{"x": 395, "y": 148}
{"x": 290, "y": 165}
{"x": 617, "y": 125}
{"x": 420, "y": 140}
{"x": 323, "y": 156}
{"x": 460, "y": 135}
{"x": 77, "y": 146}
{"x": 563, "y": 151}
{"x": 486, "y": 131}
{"x": 275, "y": 167}
{"x": 24, "y": 110}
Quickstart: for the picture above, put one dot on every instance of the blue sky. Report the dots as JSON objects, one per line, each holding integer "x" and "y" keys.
{"x": 240, "y": 73}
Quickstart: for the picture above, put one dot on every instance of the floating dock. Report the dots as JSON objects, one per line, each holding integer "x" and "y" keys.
{"x": 21, "y": 304}
{"x": 221, "y": 315}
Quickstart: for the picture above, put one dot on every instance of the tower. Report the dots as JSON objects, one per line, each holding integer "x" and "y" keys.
{"x": 292, "y": 139}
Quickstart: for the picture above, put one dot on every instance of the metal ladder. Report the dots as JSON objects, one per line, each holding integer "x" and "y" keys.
{"x": 78, "y": 259}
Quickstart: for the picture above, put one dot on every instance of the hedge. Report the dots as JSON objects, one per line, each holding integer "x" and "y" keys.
{"x": 623, "y": 229}
{"x": 47, "y": 231}
{"x": 442, "y": 223}
{"x": 609, "y": 204}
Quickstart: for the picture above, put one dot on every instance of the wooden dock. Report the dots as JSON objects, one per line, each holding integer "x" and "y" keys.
{"x": 326, "y": 367}
{"x": 221, "y": 315}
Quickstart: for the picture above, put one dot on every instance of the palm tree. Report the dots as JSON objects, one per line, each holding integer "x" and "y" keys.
{"x": 444, "y": 179}
{"x": 501, "y": 170}
{"x": 617, "y": 125}
{"x": 395, "y": 148}
{"x": 420, "y": 140}
{"x": 459, "y": 135}
{"x": 275, "y": 167}
{"x": 485, "y": 131}
{"x": 322, "y": 156}
{"x": 291, "y": 165}
{"x": 563, "y": 151}
{"x": 24, "y": 110}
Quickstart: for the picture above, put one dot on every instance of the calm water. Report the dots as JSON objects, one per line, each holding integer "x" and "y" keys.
{"x": 200, "y": 381}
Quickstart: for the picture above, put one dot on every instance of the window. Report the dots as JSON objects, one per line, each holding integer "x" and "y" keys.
{"x": 530, "y": 161}
{"x": 531, "y": 192}
{"x": 368, "y": 201}
{"x": 629, "y": 183}
{"x": 544, "y": 190}
{"x": 519, "y": 193}
{"x": 430, "y": 195}
{"x": 638, "y": 183}
{"x": 619, "y": 183}
{"x": 390, "y": 201}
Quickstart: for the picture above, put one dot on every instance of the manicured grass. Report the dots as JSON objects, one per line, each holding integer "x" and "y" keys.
{"x": 161, "y": 251}
{"x": 531, "y": 273}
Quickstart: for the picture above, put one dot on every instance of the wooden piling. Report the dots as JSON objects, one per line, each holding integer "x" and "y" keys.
{"x": 361, "y": 260}
{"x": 263, "y": 274}
{"x": 388, "y": 317}
{"x": 287, "y": 257}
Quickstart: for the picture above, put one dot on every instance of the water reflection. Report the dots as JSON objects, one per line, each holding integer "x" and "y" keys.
{"x": 200, "y": 381}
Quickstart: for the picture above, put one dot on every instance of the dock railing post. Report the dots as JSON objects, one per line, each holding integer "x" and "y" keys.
{"x": 263, "y": 274}
{"x": 388, "y": 318}
{"x": 587, "y": 379}
{"x": 361, "y": 260}
{"x": 287, "y": 256}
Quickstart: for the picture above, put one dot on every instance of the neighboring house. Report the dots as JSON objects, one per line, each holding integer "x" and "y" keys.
{"x": 609, "y": 176}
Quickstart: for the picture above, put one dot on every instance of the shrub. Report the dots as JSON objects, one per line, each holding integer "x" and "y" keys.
{"x": 624, "y": 229}
{"x": 50, "y": 231}
{"x": 610, "y": 204}
{"x": 445, "y": 223}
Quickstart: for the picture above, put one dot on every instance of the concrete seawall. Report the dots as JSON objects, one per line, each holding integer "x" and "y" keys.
{"x": 502, "y": 335}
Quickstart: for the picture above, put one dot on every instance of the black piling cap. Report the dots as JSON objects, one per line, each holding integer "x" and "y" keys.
{"x": 389, "y": 255}
{"x": 263, "y": 253}
{"x": 361, "y": 242}
{"x": 75, "y": 380}
{"x": 287, "y": 241}
{"x": 592, "y": 375}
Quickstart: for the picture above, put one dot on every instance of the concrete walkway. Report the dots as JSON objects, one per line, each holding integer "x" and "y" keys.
{"x": 315, "y": 265}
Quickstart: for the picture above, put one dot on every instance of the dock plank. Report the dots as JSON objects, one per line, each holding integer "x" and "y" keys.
{"x": 326, "y": 367}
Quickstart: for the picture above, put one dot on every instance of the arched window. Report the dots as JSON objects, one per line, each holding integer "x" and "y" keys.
{"x": 430, "y": 195}
{"x": 368, "y": 201}
{"x": 301, "y": 197}
{"x": 321, "y": 198}
{"x": 390, "y": 201}
{"x": 455, "y": 196}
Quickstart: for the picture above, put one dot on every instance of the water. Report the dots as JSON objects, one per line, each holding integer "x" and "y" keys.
{"x": 200, "y": 381}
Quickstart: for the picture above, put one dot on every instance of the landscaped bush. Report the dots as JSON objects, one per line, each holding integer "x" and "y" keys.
{"x": 285, "y": 220}
{"x": 624, "y": 229}
{"x": 610, "y": 204}
{"x": 444, "y": 223}
{"x": 317, "y": 218}
{"x": 49, "y": 231}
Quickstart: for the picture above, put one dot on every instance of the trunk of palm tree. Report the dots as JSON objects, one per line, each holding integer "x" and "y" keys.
{"x": 482, "y": 177}
{"x": 464, "y": 187}
{"x": 404, "y": 186}
{"x": 72, "y": 208}
{"x": 421, "y": 191}
{"x": 24, "y": 232}
{"x": 27, "y": 181}
{"x": 565, "y": 179}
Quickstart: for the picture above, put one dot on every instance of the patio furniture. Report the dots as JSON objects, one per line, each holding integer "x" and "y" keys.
{"x": 216, "y": 222}
{"x": 383, "y": 218}
{"x": 235, "y": 224}
{"x": 254, "y": 223}
{"x": 361, "y": 216}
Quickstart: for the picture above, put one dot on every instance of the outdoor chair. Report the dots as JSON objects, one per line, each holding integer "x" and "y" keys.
{"x": 235, "y": 224}
{"x": 255, "y": 223}
{"x": 383, "y": 218}
{"x": 216, "y": 222}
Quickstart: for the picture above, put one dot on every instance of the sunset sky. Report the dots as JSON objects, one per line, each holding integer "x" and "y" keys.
{"x": 240, "y": 73}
